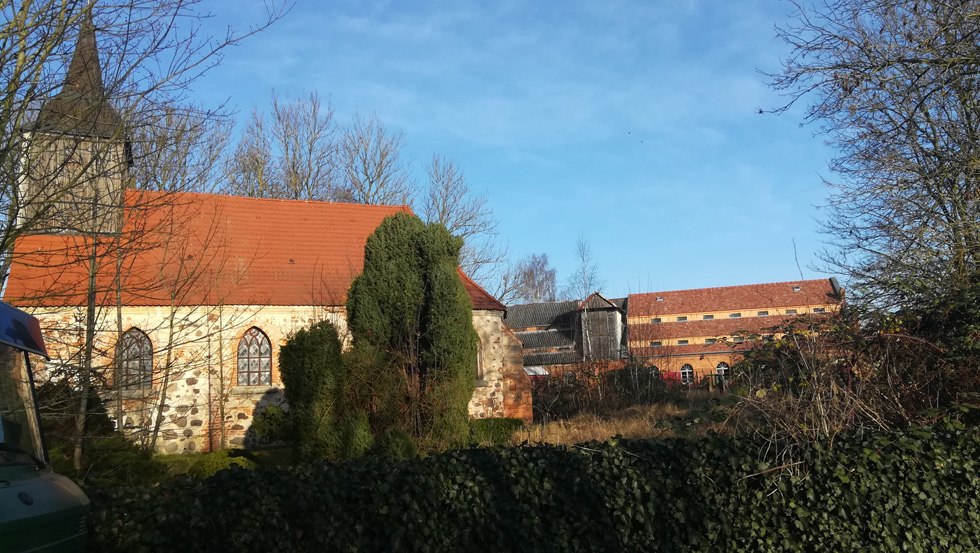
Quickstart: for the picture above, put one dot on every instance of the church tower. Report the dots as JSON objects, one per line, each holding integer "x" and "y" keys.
{"x": 76, "y": 157}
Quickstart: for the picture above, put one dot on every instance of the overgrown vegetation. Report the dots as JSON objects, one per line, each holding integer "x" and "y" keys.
{"x": 863, "y": 369}
{"x": 912, "y": 490}
{"x": 590, "y": 389}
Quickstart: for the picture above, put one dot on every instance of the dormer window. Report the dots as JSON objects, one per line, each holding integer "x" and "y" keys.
{"x": 796, "y": 288}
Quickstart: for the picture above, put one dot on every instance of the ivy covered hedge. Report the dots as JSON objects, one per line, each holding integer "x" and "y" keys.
{"x": 915, "y": 490}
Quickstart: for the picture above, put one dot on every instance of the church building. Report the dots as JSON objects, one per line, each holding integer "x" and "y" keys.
{"x": 187, "y": 297}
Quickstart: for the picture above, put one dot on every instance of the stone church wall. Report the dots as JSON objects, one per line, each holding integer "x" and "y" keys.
{"x": 502, "y": 388}
{"x": 195, "y": 361}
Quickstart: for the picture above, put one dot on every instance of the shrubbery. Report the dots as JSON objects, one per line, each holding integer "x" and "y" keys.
{"x": 914, "y": 490}
{"x": 592, "y": 389}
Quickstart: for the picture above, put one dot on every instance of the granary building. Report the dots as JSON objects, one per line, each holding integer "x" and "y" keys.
{"x": 690, "y": 334}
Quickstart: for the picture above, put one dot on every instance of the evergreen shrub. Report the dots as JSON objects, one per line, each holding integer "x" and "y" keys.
{"x": 912, "y": 490}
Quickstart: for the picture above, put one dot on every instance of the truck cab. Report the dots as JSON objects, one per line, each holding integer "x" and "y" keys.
{"x": 40, "y": 511}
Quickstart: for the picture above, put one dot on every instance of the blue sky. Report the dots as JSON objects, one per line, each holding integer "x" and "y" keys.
{"x": 632, "y": 122}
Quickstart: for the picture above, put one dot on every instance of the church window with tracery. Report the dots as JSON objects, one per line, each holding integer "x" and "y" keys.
{"x": 254, "y": 359}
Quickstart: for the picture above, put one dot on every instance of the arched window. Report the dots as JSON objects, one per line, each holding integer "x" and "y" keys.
{"x": 723, "y": 369}
{"x": 687, "y": 374}
{"x": 134, "y": 359}
{"x": 254, "y": 359}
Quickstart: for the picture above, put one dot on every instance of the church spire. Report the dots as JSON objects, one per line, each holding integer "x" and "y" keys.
{"x": 85, "y": 72}
{"x": 81, "y": 108}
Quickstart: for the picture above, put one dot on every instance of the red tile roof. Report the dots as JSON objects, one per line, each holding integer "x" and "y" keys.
{"x": 733, "y": 298}
{"x": 714, "y": 328}
{"x": 692, "y": 349}
{"x": 198, "y": 249}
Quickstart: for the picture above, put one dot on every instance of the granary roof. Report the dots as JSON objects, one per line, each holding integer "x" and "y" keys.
{"x": 733, "y": 298}
{"x": 548, "y": 314}
{"x": 208, "y": 249}
{"x": 714, "y": 328}
{"x": 81, "y": 108}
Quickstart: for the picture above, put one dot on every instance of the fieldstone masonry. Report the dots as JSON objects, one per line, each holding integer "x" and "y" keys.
{"x": 204, "y": 408}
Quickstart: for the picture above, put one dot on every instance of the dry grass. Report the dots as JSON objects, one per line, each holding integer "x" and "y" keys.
{"x": 661, "y": 420}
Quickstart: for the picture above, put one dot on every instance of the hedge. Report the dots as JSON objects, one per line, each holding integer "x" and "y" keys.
{"x": 914, "y": 490}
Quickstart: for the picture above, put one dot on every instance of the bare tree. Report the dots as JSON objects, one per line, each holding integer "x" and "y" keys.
{"x": 370, "y": 160}
{"x": 894, "y": 85}
{"x": 292, "y": 157}
{"x": 181, "y": 151}
{"x": 530, "y": 280}
{"x": 585, "y": 280}
{"x": 450, "y": 202}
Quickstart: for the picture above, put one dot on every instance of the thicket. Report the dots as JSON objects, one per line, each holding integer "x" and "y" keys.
{"x": 863, "y": 368}
{"x": 414, "y": 346}
{"x": 591, "y": 389}
{"x": 912, "y": 490}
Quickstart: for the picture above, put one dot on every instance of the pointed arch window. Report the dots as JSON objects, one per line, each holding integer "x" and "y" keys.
{"x": 254, "y": 359}
{"x": 134, "y": 359}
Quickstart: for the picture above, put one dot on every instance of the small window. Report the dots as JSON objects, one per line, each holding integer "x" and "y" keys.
{"x": 762, "y": 313}
{"x": 734, "y": 315}
{"x": 681, "y": 319}
{"x": 655, "y": 344}
{"x": 768, "y": 337}
{"x": 660, "y": 298}
{"x": 708, "y": 317}
{"x": 819, "y": 310}
{"x": 682, "y": 342}
{"x": 791, "y": 312}
{"x": 796, "y": 288}
{"x": 687, "y": 374}
{"x": 254, "y": 359}
{"x": 722, "y": 369}
{"x": 738, "y": 339}
{"x": 656, "y": 321}
{"x": 710, "y": 341}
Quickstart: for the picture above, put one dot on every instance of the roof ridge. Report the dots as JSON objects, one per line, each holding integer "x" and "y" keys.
{"x": 786, "y": 282}
{"x": 235, "y": 197}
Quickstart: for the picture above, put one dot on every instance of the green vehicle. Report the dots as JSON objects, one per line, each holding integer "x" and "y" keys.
{"x": 40, "y": 511}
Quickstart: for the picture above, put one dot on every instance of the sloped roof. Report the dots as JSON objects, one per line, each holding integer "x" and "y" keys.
{"x": 597, "y": 301}
{"x": 555, "y": 313}
{"x": 717, "y": 327}
{"x": 551, "y": 357}
{"x": 734, "y": 298}
{"x": 211, "y": 249}
{"x": 546, "y": 339}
